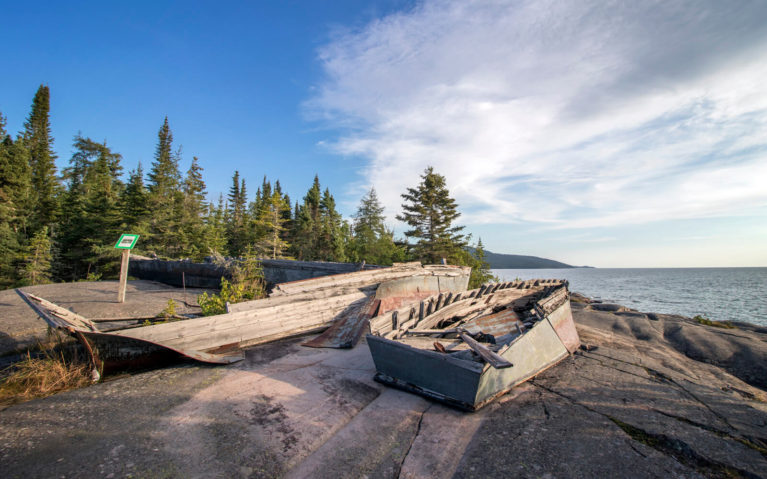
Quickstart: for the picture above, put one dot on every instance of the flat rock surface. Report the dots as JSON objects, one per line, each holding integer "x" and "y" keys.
{"x": 20, "y": 327}
{"x": 647, "y": 396}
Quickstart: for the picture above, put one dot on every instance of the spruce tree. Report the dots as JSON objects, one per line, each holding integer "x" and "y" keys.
{"x": 15, "y": 183}
{"x": 38, "y": 140}
{"x": 372, "y": 241}
{"x": 430, "y": 212}
{"x": 192, "y": 224}
{"x": 14, "y": 195}
{"x": 165, "y": 196}
{"x": 480, "y": 268}
{"x": 164, "y": 176}
{"x": 238, "y": 220}
{"x": 271, "y": 224}
{"x": 134, "y": 204}
{"x": 308, "y": 225}
{"x": 10, "y": 254}
{"x": 102, "y": 209}
{"x": 91, "y": 217}
{"x": 37, "y": 260}
{"x": 216, "y": 228}
{"x": 331, "y": 240}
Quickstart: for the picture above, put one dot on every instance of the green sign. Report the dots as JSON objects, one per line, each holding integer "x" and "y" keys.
{"x": 126, "y": 241}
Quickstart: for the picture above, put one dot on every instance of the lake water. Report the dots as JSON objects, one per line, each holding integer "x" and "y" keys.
{"x": 737, "y": 294}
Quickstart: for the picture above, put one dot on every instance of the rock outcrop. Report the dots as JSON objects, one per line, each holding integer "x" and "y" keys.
{"x": 648, "y": 395}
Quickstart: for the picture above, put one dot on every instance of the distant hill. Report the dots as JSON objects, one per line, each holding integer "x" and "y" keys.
{"x": 516, "y": 261}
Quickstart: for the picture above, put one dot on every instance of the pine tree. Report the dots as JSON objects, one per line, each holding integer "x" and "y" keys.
{"x": 37, "y": 261}
{"x": 165, "y": 196}
{"x": 430, "y": 212}
{"x": 38, "y": 140}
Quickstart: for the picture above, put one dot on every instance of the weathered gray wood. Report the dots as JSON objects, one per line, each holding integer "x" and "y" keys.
{"x": 55, "y": 315}
{"x": 493, "y": 359}
{"x": 346, "y": 279}
{"x": 440, "y": 299}
{"x": 428, "y": 343}
{"x": 264, "y": 317}
{"x": 124, "y": 262}
{"x": 299, "y": 297}
{"x": 427, "y": 332}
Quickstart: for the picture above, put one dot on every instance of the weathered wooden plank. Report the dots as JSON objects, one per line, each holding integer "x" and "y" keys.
{"x": 345, "y": 279}
{"x": 347, "y": 326}
{"x": 438, "y": 302}
{"x": 54, "y": 314}
{"x": 493, "y": 359}
{"x": 427, "y": 332}
{"x": 299, "y": 297}
{"x": 428, "y": 343}
{"x": 168, "y": 331}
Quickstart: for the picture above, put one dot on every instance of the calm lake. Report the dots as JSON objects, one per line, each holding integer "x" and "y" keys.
{"x": 737, "y": 294}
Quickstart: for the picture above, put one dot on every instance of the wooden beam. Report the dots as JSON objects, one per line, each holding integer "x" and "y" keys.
{"x": 496, "y": 361}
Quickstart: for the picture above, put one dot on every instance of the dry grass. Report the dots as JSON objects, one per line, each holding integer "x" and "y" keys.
{"x": 40, "y": 377}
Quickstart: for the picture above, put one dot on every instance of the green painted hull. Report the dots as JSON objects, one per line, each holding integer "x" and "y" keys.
{"x": 469, "y": 384}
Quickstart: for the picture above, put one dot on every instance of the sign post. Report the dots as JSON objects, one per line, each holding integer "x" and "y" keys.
{"x": 125, "y": 243}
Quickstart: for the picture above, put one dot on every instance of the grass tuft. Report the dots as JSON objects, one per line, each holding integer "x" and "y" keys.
{"x": 40, "y": 377}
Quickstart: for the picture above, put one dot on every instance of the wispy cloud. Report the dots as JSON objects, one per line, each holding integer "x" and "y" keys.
{"x": 568, "y": 114}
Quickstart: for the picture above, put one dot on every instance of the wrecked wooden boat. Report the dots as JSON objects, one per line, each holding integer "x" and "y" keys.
{"x": 466, "y": 349}
{"x": 345, "y": 301}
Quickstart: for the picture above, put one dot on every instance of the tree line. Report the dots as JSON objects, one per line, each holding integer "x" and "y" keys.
{"x": 61, "y": 226}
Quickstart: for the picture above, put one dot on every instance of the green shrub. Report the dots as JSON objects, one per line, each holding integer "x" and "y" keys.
{"x": 247, "y": 283}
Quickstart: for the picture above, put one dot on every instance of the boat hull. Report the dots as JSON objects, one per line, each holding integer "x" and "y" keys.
{"x": 467, "y": 384}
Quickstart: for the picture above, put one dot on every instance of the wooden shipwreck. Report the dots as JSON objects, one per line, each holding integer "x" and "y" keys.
{"x": 340, "y": 304}
{"x": 466, "y": 349}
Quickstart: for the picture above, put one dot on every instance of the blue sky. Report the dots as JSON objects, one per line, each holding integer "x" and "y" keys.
{"x": 632, "y": 135}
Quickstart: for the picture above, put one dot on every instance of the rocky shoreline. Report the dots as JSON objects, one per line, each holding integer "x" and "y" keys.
{"x": 648, "y": 395}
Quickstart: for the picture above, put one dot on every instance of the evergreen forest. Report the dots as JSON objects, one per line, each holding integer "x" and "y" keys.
{"x": 59, "y": 226}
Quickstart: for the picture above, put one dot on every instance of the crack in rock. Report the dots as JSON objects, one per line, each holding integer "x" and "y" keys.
{"x": 412, "y": 440}
{"x": 678, "y": 449}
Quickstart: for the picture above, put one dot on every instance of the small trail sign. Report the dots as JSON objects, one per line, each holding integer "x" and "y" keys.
{"x": 126, "y": 241}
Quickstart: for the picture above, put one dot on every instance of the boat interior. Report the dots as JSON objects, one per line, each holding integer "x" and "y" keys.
{"x": 495, "y": 315}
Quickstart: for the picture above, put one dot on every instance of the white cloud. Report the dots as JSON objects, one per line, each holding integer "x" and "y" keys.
{"x": 571, "y": 114}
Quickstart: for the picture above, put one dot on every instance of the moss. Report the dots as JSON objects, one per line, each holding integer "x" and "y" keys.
{"x": 717, "y": 324}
